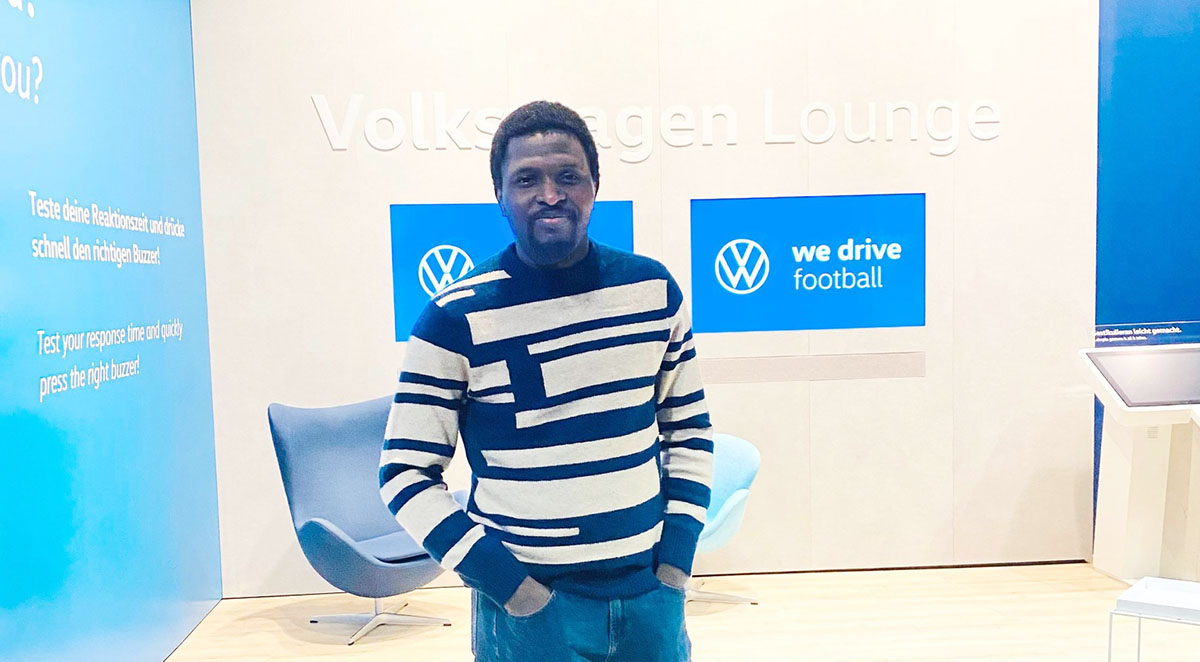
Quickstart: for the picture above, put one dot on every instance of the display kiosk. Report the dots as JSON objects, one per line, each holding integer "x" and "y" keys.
{"x": 1148, "y": 502}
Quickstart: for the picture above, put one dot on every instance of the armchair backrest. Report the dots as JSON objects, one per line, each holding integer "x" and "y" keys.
{"x": 329, "y": 460}
{"x": 735, "y": 464}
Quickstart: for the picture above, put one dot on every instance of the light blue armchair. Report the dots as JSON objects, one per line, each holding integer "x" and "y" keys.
{"x": 735, "y": 464}
{"x": 329, "y": 459}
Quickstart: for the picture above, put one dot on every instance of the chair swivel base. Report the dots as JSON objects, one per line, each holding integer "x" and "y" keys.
{"x": 694, "y": 594}
{"x": 368, "y": 622}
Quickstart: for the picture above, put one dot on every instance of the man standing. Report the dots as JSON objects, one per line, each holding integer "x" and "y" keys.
{"x": 568, "y": 368}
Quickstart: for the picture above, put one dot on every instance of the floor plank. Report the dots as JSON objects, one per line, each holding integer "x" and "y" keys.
{"x": 1026, "y": 613}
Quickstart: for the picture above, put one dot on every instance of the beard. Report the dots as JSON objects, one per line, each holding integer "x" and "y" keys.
{"x": 551, "y": 237}
{"x": 547, "y": 251}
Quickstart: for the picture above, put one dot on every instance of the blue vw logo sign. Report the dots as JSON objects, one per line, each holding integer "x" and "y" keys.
{"x": 442, "y": 265}
{"x": 742, "y": 266}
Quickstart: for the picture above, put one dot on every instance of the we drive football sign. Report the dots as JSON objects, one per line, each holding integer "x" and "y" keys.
{"x": 831, "y": 262}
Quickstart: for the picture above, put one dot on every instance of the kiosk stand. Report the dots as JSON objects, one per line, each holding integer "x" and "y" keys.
{"x": 1148, "y": 505}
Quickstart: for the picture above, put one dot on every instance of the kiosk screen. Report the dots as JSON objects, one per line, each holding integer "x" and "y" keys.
{"x": 1152, "y": 377}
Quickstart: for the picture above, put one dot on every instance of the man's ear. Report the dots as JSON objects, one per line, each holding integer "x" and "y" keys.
{"x": 500, "y": 201}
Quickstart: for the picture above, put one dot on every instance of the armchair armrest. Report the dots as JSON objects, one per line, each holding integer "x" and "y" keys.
{"x": 724, "y": 524}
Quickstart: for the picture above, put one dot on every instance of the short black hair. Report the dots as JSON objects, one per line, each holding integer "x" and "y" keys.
{"x": 542, "y": 117}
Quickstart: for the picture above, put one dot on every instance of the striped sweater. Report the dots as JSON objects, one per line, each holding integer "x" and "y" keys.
{"x": 579, "y": 403}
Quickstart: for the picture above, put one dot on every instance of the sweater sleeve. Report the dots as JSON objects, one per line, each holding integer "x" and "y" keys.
{"x": 686, "y": 438}
{"x": 420, "y": 439}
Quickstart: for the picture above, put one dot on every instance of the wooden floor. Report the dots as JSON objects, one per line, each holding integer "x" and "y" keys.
{"x": 1026, "y": 613}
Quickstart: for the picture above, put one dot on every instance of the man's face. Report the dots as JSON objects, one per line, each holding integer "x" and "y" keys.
{"x": 547, "y": 193}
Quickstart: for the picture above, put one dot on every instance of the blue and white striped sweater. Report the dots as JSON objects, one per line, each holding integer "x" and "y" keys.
{"x": 582, "y": 414}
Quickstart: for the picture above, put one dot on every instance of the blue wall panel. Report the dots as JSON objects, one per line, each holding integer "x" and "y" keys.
{"x": 434, "y": 245}
{"x": 1148, "y": 184}
{"x": 109, "y": 548}
{"x": 1148, "y": 188}
{"x": 811, "y": 262}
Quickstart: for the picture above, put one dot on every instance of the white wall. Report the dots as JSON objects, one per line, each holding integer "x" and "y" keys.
{"x": 977, "y": 448}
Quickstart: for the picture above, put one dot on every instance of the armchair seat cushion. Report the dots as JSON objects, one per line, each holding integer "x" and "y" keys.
{"x": 395, "y": 547}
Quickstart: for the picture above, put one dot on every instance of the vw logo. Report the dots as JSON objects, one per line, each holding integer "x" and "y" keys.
{"x": 742, "y": 266}
{"x": 442, "y": 265}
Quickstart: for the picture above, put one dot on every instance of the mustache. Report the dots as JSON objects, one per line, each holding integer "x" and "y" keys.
{"x": 557, "y": 210}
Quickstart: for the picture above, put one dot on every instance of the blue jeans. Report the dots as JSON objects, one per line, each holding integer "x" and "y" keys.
{"x": 572, "y": 628}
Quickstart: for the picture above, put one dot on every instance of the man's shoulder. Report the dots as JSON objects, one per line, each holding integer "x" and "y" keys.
{"x": 470, "y": 290}
{"x": 631, "y": 265}
{"x": 490, "y": 265}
